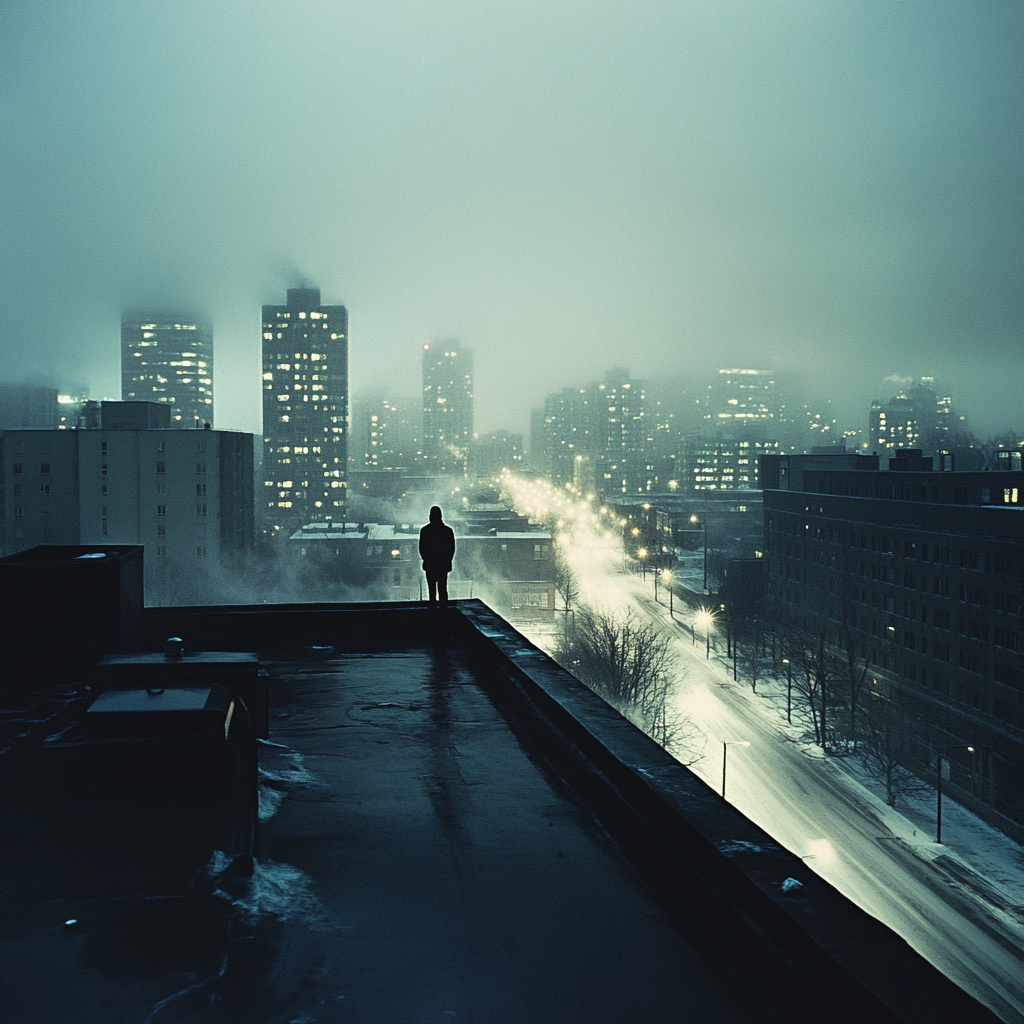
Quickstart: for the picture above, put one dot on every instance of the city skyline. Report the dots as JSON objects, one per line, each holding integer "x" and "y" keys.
{"x": 833, "y": 190}
{"x": 675, "y": 420}
{"x": 998, "y": 413}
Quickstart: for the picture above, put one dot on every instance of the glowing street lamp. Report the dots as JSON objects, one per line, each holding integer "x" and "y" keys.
{"x": 725, "y": 750}
{"x": 642, "y": 555}
{"x": 667, "y": 574}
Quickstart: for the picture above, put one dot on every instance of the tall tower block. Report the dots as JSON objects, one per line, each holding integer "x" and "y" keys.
{"x": 447, "y": 406}
{"x": 305, "y": 411}
{"x": 168, "y": 357}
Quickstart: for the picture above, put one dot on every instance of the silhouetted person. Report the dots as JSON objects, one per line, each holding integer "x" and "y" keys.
{"x": 437, "y": 549}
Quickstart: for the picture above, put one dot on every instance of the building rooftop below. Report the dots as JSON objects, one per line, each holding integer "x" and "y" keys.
{"x": 402, "y": 531}
{"x": 415, "y": 863}
{"x": 451, "y": 828}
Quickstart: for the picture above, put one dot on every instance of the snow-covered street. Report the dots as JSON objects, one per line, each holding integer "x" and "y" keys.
{"x": 960, "y": 904}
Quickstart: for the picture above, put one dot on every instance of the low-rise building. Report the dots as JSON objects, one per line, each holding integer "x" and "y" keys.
{"x": 921, "y": 571}
{"x": 511, "y": 569}
{"x": 185, "y": 495}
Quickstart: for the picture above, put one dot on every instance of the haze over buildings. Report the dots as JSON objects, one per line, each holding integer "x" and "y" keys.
{"x": 832, "y": 190}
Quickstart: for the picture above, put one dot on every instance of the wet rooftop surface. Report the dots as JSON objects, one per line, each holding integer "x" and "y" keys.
{"x": 415, "y": 864}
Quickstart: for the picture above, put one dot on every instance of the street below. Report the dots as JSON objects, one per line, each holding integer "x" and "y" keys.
{"x": 964, "y": 913}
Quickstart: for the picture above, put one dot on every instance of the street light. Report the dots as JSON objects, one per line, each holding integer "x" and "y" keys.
{"x": 789, "y": 690}
{"x": 939, "y": 755}
{"x": 667, "y": 573}
{"x": 725, "y": 750}
{"x": 704, "y": 526}
{"x": 704, "y": 619}
{"x": 642, "y": 555}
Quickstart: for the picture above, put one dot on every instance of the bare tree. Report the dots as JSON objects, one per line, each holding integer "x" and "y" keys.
{"x": 749, "y": 641}
{"x": 813, "y": 669}
{"x": 632, "y": 666}
{"x": 855, "y": 665}
{"x": 884, "y": 751}
{"x": 566, "y": 581}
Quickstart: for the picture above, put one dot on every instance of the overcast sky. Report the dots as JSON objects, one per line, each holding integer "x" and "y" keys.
{"x": 834, "y": 187}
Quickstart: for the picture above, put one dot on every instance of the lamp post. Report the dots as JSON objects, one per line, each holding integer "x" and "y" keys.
{"x": 704, "y": 527}
{"x": 642, "y": 555}
{"x": 725, "y": 750}
{"x": 655, "y": 572}
{"x": 704, "y": 620}
{"x": 789, "y": 690}
{"x": 939, "y": 755}
{"x": 668, "y": 583}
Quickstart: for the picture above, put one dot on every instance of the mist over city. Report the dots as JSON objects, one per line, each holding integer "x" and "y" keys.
{"x": 488, "y": 486}
{"x": 567, "y": 187}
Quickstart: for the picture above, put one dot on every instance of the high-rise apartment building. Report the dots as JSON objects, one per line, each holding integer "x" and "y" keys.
{"x": 305, "y": 411}
{"x": 563, "y": 432}
{"x": 917, "y": 416}
{"x": 168, "y": 357}
{"x": 725, "y": 464}
{"x": 597, "y": 437}
{"x": 388, "y": 429}
{"x": 743, "y": 402}
{"x": 447, "y": 406}
{"x": 621, "y": 441}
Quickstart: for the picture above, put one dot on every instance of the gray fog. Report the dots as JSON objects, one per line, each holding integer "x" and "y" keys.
{"x": 833, "y": 188}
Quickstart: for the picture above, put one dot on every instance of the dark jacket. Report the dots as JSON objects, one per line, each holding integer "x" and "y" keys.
{"x": 437, "y": 547}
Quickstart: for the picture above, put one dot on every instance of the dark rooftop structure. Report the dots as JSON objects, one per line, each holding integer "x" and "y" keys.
{"x": 450, "y": 827}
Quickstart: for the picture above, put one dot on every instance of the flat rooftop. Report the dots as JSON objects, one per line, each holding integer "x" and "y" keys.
{"x": 453, "y": 829}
